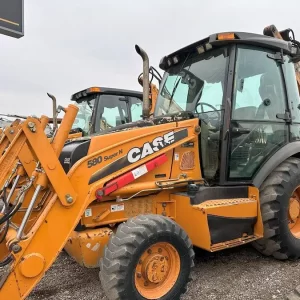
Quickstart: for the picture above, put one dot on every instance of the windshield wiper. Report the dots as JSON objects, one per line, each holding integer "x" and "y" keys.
{"x": 174, "y": 90}
{"x": 177, "y": 81}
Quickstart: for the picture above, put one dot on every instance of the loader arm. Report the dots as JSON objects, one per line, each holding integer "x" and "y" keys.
{"x": 24, "y": 155}
{"x": 23, "y": 163}
{"x": 31, "y": 253}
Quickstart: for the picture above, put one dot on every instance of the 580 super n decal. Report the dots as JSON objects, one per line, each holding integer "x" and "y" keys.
{"x": 137, "y": 153}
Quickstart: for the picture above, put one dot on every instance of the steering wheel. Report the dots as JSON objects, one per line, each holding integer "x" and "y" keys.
{"x": 201, "y": 104}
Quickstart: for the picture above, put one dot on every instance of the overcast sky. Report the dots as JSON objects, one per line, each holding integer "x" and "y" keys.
{"x": 70, "y": 45}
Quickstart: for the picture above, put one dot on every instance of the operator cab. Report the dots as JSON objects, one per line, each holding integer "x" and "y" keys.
{"x": 243, "y": 89}
{"x": 103, "y": 108}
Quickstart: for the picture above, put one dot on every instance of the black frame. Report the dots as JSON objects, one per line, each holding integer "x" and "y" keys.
{"x": 227, "y": 100}
{"x": 227, "y": 103}
{"x": 94, "y": 115}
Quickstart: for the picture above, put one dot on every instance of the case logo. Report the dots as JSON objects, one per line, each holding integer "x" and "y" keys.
{"x": 135, "y": 154}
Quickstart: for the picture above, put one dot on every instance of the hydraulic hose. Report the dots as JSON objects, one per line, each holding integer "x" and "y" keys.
{"x": 5, "y": 232}
{"x": 6, "y": 261}
{"x": 7, "y": 222}
{"x": 20, "y": 199}
{"x": 10, "y": 214}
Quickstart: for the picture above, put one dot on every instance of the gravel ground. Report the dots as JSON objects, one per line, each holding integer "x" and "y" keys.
{"x": 238, "y": 273}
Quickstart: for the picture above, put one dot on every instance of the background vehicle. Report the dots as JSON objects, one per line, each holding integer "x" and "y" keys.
{"x": 103, "y": 108}
{"x": 5, "y": 121}
{"x": 217, "y": 166}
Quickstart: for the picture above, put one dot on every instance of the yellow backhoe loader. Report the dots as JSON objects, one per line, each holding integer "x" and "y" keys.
{"x": 217, "y": 166}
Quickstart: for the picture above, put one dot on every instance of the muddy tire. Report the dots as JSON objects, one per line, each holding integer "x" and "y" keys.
{"x": 149, "y": 257}
{"x": 281, "y": 222}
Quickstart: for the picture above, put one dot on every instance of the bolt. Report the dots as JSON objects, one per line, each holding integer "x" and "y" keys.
{"x": 197, "y": 129}
{"x": 100, "y": 193}
{"x": 69, "y": 198}
{"x": 146, "y": 283}
{"x": 149, "y": 251}
{"x": 31, "y": 126}
{"x": 139, "y": 275}
{"x": 159, "y": 250}
{"x": 166, "y": 257}
{"x": 16, "y": 248}
{"x": 161, "y": 259}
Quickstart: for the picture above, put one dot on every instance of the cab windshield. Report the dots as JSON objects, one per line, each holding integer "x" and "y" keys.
{"x": 196, "y": 85}
{"x": 83, "y": 119}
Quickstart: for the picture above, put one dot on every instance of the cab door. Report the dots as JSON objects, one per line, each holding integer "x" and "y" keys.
{"x": 260, "y": 118}
{"x": 293, "y": 96}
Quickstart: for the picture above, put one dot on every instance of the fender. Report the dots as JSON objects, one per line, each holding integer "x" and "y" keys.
{"x": 277, "y": 158}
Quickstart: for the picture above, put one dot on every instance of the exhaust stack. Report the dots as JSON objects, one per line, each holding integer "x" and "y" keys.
{"x": 54, "y": 112}
{"x": 146, "y": 100}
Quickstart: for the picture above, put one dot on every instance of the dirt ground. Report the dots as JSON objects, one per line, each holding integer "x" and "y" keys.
{"x": 239, "y": 273}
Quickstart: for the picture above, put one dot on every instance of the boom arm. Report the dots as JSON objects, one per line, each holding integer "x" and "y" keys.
{"x": 20, "y": 275}
{"x": 29, "y": 254}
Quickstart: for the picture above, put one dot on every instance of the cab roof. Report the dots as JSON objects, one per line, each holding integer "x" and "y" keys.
{"x": 239, "y": 38}
{"x": 107, "y": 91}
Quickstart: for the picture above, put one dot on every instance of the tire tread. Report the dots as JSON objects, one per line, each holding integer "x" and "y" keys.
{"x": 122, "y": 245}
{"x": 271, "y": 190}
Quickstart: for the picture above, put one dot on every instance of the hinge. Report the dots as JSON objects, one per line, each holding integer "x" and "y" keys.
{"x": 278, "y": 56}
{"x": 286, "y": 117}
{"x": 226, "y": 135}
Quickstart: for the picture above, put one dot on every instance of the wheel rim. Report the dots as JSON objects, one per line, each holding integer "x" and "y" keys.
{"x": 157, "y": 270}
{"x": 294, "y": 213}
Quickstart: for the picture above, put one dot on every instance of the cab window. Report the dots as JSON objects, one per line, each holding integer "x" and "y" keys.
{"x": 113, "y": 111}
{"x": 136, "y": 108}
{"x": 258, "y": 128}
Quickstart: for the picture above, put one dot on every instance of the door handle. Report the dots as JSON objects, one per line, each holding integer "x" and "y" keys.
{"x": 240, "y": 130}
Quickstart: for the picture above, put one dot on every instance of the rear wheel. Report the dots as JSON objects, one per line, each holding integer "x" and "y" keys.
{"x": 149, "y": 257}
{"x": 280, "y": 208}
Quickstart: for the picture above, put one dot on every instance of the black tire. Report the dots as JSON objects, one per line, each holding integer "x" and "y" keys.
{"x": 275, "y": 193}
{"x": 124, "y": 249}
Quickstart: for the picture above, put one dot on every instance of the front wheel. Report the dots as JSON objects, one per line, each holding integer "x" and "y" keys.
{"x": 149, "y": 257}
